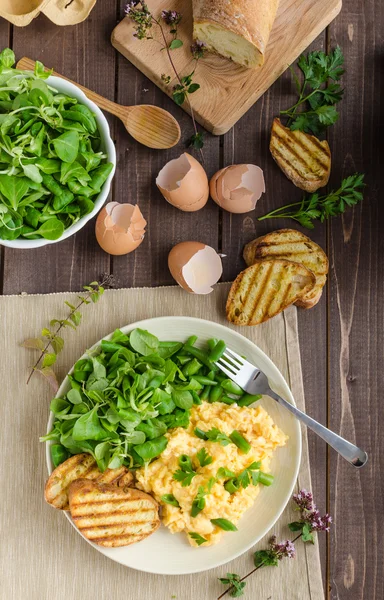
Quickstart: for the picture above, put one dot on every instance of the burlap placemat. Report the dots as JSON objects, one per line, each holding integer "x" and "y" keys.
{"x": 42, "y": 557}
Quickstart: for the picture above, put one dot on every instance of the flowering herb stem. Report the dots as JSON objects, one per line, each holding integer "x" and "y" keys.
{"x": 228, "y": 590}
{"x": 179, "y": 80}
{"x": 140, "y": 14}
{"x": 310, "y": 521}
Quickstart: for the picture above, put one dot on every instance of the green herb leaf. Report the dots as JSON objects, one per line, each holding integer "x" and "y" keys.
{"x": 296, "y": 526}
{"x": 178, "y": 97}
{"x": 233, "y": 580}
{"x": 224, "y": 524}
{"x": 193, "y": 88}
{"x": 197, "y": 537}
{"x": 307, "y": 535}
{"x": 197, "y": 140}
{"x": 224, "y": 473}
{"x": 170, "y": 499}
{"x": 204, "y": 458}
{"x": 265, "y": 558}
{"x": 175, "y": 44}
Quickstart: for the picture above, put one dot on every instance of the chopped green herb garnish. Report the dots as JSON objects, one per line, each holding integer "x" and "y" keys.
{"x": 170, "y": 499}
{"x": 197, "y": 537}
{"x": 204, "y": 458}
{"x": 224, "y": 524}
{"x": 186, "y": 472}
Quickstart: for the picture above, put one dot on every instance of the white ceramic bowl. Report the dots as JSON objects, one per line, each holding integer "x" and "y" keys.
{"x": 167, "y": 554}
{"x": 107, "y": 146}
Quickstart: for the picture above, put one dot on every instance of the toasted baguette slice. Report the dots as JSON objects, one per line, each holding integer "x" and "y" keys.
{"x": 111, "y": 516}
{"x": 265, "y": 289}
{"x": 304, "y": 159}
{"x": 79, "y": 466}
{"x": 293, "y": 245}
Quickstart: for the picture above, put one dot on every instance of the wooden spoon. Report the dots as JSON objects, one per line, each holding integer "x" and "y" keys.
{"x": 150, "y": 125}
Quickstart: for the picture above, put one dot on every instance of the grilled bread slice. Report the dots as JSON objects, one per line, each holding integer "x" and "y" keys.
{"x": 265, "y": 289}
{"x": 112, "y": 516}
{"x": 79, "y": 466}
{"x": 304, "y": 159}
{"x": 292, "y": 245}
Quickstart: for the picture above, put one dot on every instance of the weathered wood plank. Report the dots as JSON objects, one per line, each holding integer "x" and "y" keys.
{"x": 135, "y": 183}
{"x": 84, "y": 54}
{"x": 356, "y": 310}
{"x": 248, "y": 142}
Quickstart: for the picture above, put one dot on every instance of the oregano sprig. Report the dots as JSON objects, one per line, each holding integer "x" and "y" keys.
{"x": 50, "y": 343}
{"x": 144, "y": 20}
{"x": 310, "y": 522}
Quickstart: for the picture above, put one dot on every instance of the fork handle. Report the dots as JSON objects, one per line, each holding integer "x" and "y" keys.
{"x": 350, "y": 452}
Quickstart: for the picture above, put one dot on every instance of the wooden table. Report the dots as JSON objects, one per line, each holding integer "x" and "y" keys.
{"x": 342, "y": 338}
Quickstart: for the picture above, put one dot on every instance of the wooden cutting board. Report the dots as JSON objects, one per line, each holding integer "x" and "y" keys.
{"x": 227, "y": 90}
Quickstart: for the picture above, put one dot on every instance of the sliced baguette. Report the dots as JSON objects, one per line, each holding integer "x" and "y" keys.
{"x": 265, "y": 289}
{"x": 111, "y": 516}
{"x": 80, "y": 466}
{"x": 293, "y": 245}
{"x": 304, "y": 159}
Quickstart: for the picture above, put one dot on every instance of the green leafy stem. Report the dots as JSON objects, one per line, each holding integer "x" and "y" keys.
{"x": 51, "y": 343}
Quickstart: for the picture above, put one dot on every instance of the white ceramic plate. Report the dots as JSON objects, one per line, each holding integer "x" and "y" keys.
{"x": 168, "y": 554}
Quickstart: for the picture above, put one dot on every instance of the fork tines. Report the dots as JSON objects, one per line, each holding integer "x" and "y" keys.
{"x": 230, "y": 362}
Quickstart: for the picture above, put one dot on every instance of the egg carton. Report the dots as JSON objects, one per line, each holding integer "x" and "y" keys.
{"x": 61, "y": 12}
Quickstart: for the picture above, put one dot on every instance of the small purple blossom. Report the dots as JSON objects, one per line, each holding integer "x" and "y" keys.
{"x": 283, "y": 549}
{"x": 130, "y": 7}
{"x": 319, "y": 523}
{"x": 310, "y": 515}
{"x": 198, "y": 49}
{"x": 171, "y": 17}
{"x": 304, "y": 500}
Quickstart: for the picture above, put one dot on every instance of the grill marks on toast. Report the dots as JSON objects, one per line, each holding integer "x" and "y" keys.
{"x": 266, "y": 288}
{"x": 292, "y": 245}
{"x": 304, "y": 159}
{"x": 80, "y": 466}
{"x": 110, "y": 516}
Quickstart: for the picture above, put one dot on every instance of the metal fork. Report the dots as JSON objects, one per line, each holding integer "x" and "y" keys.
{"x": 254, "y": 381}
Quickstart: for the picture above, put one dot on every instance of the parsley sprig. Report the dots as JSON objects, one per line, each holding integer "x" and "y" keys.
{"x": 186, "y": 472}
{"x": 319, "y": 91}
{"x": 204, "y": 458}
{"x": 213, "y": 435}
{"x": 315, "y": 207}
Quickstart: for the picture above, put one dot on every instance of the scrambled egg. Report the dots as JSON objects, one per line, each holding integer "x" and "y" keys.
{"x": 255, "y": 425}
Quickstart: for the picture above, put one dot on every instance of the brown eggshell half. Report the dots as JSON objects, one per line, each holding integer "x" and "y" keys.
{"x": 237, "y": 188}
{"x": 184, "y": 183}
{"x": 195, "y": 266}
{"x": 120, "y": 228}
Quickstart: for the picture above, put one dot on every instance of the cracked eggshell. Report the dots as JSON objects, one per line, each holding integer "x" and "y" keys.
{"x": 237, "y": 188}
{"x": 195, "y": 266}
{"x": 184, "y": 183}
{"x": 120, "y": 228}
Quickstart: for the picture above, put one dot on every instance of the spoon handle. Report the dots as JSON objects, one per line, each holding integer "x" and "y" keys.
{"x": 115, "y": 109}
{"x": 354, "y": 455}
